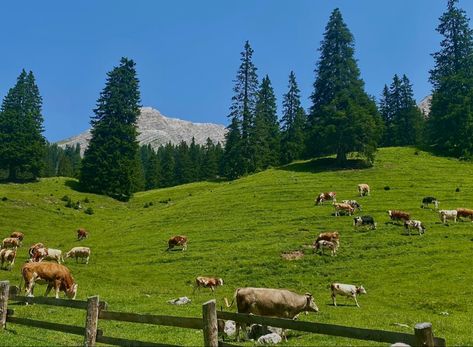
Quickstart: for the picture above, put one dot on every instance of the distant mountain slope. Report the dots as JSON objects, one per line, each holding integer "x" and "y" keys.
{"x": 157, "y": 130}
{"x": 424, "y": 105}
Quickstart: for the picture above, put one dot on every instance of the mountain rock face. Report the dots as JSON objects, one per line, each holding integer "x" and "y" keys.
{"x": 424, "y": 105}
{"x": 157, "y": 130}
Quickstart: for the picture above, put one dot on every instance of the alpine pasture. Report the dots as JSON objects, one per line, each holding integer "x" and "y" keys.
{"x": 237, "y": 230}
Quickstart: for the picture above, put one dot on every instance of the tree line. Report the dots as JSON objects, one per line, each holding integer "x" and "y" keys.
{"x": 342, "y": 120}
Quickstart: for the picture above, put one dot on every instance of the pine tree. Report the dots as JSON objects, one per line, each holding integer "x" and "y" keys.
{"x": 450, "y": 123}
{"x": 265, "y": 135}
{"x": 343, "y": 118}
{"x": 22, "y": 145}
{"x": 386, "y": 116}
{"x": 168, "y": 164}
{"x": 238, "y": 154}
{"x": 111, "y": 164}
{"x": 183, "y": 168}
{"x": 292, "y": 123}
{"x": 195, "y": 156}
{"x": 210, "y": 164}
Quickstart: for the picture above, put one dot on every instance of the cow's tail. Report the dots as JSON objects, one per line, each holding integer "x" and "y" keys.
{"x": 233, "y": 299}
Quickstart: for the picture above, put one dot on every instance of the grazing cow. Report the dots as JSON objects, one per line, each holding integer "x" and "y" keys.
{"x": 353, "y": 203}
{"x": 39, "y": 254}
{"x": 348, "y": 290}
{"x": 398, "y": 215}
{"x": 55, "y": 275}
{"x": 324, "y": 244}
{"x": 207, "y": 282}
{"x": 33, "y": 248}
{"x": 178, "y": 240}
{"x": 332, "y": 236}
{"x": 7, "y": 256}
{"x": 325, "y": 196}
{"x": 430, "y": 200}
{"x": 363, "y": 189}
{"x": 414, "y": 224}
{"x": 448, "y": 214}
{"x": 343, "y": 207}
{"x": 18, "y": 235}
{"x": 272, "y": 302}
{"x": 11, "y": 242}
{"x": 465, "y": 213}
{"x": 364, "y": 221}
{"x": 82, "y": 234}
{"x": 79, "y": 252}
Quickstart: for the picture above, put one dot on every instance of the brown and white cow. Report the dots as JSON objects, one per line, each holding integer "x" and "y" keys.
{"x": 178, "y": 240}
{"x": 332, "y": 236}
{"x": 414, "y": 224}
{"x": 272, "y": 302}
{"x": 398, "y": 215}
{"x": 346, "y": 208}
{"x": 32, "y": 250}
{"x": 348, "y": 290}
{"x": 55, "y": 275}
{"x": 82, "y": 234}
{"x": 18, "y": 235}
{"x": 324, "y": 244}
{"x": 363, "y": 189}
{"x": 44, "y": 253}
{"x": 11, "y": 242}
{"x": 207, "y": 282}
{"x": 7, "y": 256}
{"x": 465, "y": 213}
{"x": 325, "y": 196}
{"x": 79, "y": 253}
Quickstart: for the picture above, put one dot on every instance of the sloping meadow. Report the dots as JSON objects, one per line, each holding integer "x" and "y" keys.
{"x": 239, "y": 231}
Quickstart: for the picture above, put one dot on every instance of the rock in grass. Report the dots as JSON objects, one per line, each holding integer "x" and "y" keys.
{"x": 270, "y": 339}
{"x": 180, "y": 301}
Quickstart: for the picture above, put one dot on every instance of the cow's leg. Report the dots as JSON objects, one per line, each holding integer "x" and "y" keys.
{"x": 87, "y": 260}
{"x": 334, "y": 300}
{"x": 48, "y": 289}
{"x": 356, "y": 301}
{"x": 29, "y": 287}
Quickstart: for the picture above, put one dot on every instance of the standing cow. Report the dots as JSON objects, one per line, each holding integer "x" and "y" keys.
{"x": 207, "y": 282}
{"x": 18, "y": 235}
{"x": 272, "y": 302}
{"x": 82, "y": 234}
{"x": 429, "y": 200}
{"x": 363, "y": 189}
{"x": 79, "y": 252}
{"x": 179, "y": 240}
{"x": 325, "y": 196}
{"x": 7, "y": 256}
{"x": 348, "y": 290}
{"x": 11, "y": 242}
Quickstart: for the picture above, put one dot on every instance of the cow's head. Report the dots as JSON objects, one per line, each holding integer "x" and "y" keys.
{"x": 357, "y": 221}
{"x": 72, "y": 291}
{"x": 310, "y": 306}
{"x": 220, "y": 282}
{"x": 389, "y": 212}
{"x": 360, "y": 290}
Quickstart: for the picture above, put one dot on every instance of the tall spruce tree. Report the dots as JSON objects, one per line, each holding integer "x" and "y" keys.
{"x": 238, "y": 153}
{"x": 210, "y": 164}
{"x": 450, "y": 122}
{"x": 111, "y": 164}
{"x": 343, "y": 118}
{"x": 265, "y": 135}
{"x": 168, "y": 164}
{"x": 292, "y": 123}
{"x": 22, "y": 145}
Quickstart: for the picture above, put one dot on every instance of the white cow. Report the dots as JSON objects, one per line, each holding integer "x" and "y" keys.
{"x": 348, "y": 290}
{"x": 448, "y": 214}
{"x": 53, "y": 254}
{"x": 414, "y": 224}
{"x": 324, "y": 244}
{"x": 79, "y": 252}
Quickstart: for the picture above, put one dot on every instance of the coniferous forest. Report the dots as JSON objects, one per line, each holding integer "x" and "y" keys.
{"x": 342, "y": 121}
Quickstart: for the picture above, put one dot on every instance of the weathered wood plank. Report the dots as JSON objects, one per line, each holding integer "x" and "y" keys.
{"x": 321, "y": 328}
{"x": 116, "y": 341}
{"x": 424, "y": 335}
{"x": 71, "y": 329}
{"x": 41, "y": 300}
{"x": 4, "y": 289}
{"x": 180, "y": 322}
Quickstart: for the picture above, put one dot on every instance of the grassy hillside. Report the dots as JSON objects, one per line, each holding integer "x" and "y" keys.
{"x": 238, "y": 230}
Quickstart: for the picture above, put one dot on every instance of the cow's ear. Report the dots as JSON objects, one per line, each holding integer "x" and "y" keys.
{"x": 308, "y": 295}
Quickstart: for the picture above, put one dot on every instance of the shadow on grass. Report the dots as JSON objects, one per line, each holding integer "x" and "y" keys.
{"x": 326, "y": 164}
{"x": 74, "y": 185}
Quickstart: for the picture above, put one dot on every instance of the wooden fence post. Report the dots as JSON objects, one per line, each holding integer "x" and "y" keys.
{"x": 424, "y": 335}
{"x": 91, "y": 321}
{"x": 4, "y": 291}
{"x": 209, "y": 316}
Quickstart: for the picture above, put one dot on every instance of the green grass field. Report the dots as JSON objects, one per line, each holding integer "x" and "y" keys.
{"x": 239, "y": 229}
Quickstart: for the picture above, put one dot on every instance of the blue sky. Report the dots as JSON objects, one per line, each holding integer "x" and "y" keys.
{"x": 187, "y": 52}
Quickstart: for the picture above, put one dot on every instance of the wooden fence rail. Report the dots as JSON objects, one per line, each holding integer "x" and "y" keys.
{"x": 97, "y": 310}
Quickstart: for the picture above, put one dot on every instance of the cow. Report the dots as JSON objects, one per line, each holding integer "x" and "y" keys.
{"x": 465, "y": 213}
{"x": 332, "y": 236}
{"x": 324, "y": 244}
{"x": 429, "y": 200}
{"x": 353, "y": 203}
{"x": 79, "y": 252}
{"x": 47, "y": 254}
{"x": 55, "y": 275}
{"x": 363, "y": 189}
{"x": 270, "y": 302}
{"x": 343, "y": 207}
{"x": 448, "y": 214}
{"x": 207, "y": 282}
{"x": 414, "y": 224}
{"x": 18, "y": 235}
{"x": 7, "y": 256}
{"x": 398, "y": 215}
{"x": 38, "y": 254}
{"x": 364, "y": 221}
{"x": 11, "y": 242}
{"x": 325, "y": 196}
{"x": 348, "y": 290}
{"x": 82, "y": 234}
{"x": 33, "y": 249}
{"x": 179, "y": 240}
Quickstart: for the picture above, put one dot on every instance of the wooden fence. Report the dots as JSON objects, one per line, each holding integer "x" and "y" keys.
{"x": 208, "y": 323}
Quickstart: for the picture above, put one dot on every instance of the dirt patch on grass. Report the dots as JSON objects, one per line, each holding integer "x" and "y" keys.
{"x": 292, "y": 255}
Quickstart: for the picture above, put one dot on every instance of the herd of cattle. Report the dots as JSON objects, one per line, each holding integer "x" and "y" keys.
{"x": 260, "y": 301}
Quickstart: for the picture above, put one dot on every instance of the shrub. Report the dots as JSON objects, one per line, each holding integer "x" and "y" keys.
{"x": 86, "y": 200}
{"x": 387, "y": 188}
{"x": 457, "y": 190}
{"x": 66, "y": 198}
{"x": 4, "y": 198}
{"x": 89, "y": 211}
